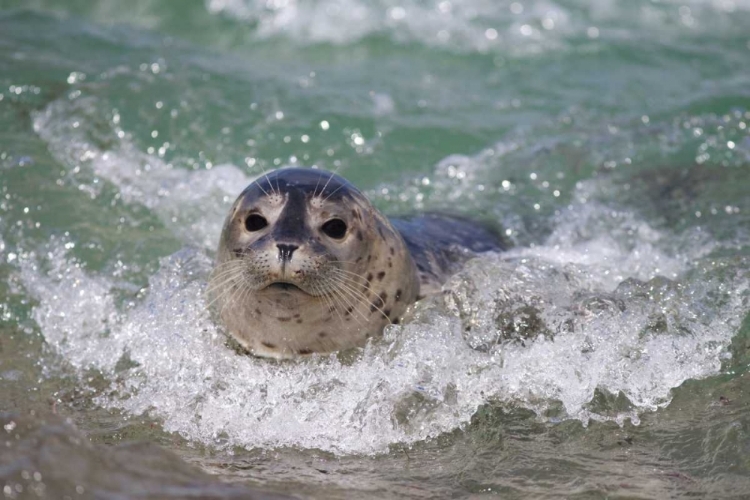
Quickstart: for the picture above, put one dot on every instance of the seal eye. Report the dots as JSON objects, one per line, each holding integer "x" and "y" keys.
{"x": 334, "y": 228}
{"x": 255, "y": 222}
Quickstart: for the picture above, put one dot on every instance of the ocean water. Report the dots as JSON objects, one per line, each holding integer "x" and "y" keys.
{"x": 605, "y": 355}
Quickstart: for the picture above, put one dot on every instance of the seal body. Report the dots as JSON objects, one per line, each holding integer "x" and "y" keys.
{"x": 439, "y": 244}
{"x": 306, "y": 264}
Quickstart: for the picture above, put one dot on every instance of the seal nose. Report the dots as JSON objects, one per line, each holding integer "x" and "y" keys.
{"x": 286, "y": 251}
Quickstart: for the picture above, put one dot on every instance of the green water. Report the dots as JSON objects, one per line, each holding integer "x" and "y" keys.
{"x": 605, "y": 356}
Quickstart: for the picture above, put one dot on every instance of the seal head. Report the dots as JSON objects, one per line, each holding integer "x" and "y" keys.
{"x": 307, "y": 265}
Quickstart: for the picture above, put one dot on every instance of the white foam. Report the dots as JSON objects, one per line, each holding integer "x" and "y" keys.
{"x": 423, "y": 378}
{"x": 614, "y": 245}
{"x": 461, "y": 25}
{"x": 481, "y": 25}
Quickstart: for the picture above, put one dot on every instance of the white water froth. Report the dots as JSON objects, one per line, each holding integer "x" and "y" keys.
{"x": 532, "y": 326}
{"x": 472, "y": 25}
{"x": 499, "y": 25}
{"x": 423, "y": 378}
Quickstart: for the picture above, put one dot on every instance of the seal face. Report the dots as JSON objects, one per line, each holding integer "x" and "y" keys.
{"x": 307, "y": 265}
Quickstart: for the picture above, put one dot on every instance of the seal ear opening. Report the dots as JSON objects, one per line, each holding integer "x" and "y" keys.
{"x": 334, "y": 228}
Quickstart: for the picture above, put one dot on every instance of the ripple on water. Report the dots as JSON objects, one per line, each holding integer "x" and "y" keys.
{"x": 191, "y": 204}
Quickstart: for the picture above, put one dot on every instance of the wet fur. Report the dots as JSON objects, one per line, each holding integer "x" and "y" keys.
{"x": 331, "y": 294}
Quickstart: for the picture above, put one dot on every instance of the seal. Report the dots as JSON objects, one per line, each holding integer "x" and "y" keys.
{"x": 305, "y": 264}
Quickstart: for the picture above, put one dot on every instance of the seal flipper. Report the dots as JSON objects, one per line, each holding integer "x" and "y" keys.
{"x": 440, "y": 244}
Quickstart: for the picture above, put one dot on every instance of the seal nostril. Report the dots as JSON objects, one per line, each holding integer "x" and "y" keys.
{"x": 286, "y": 251}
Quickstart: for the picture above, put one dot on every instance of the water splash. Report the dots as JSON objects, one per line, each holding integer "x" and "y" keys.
{"x": 532, "y": 327}
{"x": 192, "y": 204}
{"x": 607, "y": 302}
{"x": 479, "y": 25}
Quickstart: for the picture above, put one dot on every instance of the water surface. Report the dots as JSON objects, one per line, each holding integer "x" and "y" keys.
{"x": 605, "y": 356}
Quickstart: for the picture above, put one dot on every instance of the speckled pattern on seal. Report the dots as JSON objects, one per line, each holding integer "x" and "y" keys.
{"x": 307, "y": 265}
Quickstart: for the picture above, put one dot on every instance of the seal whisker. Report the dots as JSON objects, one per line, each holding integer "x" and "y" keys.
{"x": 315, "y": 191}
{"x": 334, "y": 306}
{"x": 324, "y": 299}
{"x": 229, "y": 299}
{"x": 329, "y": 180}
{"x": 227, "y": 278}
{"x": 332, "y": 192}
{"x": 246, "y": 293}
{"x": 224, "y": 294}
{"x": 353, "y": 305}
{"x": 349, "y": 273}
{"x": 233, "y": 298}
{"x": 354, "y": 278}
{"x": 223, "y": 265}
{"x": 270, "y": 185}
{"x": 220, "y": 281}
{"x": 363, "y": 297}
{"x": 278, "y": 189}
{"x": 335, "y": 295}
{"x": 234, "y": 284}
{"x": 363, "y": 300}
{"x": 261, "y": 187}
{"x": 224, "y": 268}
{"x": 334, "y": 291}
{"x": 353, "y": 283}
{"x": 223, "y": 279}
{"x": 350, "y": 302}
{"x": 210, "y": 293}
{"x": 221, "y": 275}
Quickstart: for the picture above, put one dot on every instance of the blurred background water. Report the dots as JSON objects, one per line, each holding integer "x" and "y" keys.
{"x": 605, "y": 356}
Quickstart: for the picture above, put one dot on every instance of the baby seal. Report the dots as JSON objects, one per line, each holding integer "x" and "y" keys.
{"x": 306, "y": 264}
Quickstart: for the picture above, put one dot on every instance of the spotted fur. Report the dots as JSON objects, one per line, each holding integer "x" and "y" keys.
{"x": 286, "y": 285}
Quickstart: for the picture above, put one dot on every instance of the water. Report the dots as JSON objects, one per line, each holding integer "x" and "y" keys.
{"x": 605, "y": 355}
